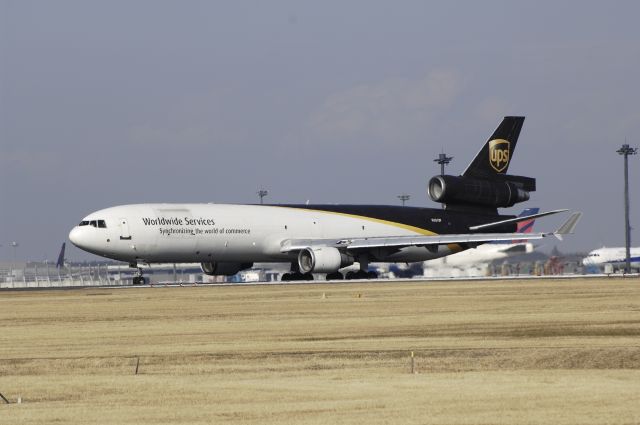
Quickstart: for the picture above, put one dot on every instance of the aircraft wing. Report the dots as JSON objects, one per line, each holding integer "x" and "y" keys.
{"x": 518, "y": 219}
{"x": 405, "y": 241}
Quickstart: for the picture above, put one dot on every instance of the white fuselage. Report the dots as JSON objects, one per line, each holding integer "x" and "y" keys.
{"x": 168, "y": 233}
{"x": 615, "y": 256}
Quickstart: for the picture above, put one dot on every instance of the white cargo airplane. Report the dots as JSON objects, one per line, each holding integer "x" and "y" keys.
{"x": 614, "y": 256}
{"x": 226, "y": 239}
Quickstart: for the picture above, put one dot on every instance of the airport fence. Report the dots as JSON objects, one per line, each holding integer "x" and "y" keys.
{"x": 43, "y": 275}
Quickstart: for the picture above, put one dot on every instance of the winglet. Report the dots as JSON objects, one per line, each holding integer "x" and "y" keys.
{"x": 568, "y": 226}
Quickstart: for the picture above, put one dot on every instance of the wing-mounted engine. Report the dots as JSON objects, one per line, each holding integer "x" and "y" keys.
{"x": 216, "y": 268}
{"x": 500, "y": 191}
{"x": 324, "y": 259}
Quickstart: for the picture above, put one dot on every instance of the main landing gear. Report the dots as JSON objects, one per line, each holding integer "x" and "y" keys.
{"x": 351, "y": 275}
{"x": 294, "y": 276}
{"x": 361, "y": 274}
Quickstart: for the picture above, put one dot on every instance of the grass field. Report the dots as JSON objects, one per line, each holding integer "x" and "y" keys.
{"x": 512, "y": 352}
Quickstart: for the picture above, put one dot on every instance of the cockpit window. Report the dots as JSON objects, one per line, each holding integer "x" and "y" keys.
{"x": 95, "y": 223}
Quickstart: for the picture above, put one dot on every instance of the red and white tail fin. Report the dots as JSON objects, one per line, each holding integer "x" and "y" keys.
{"x": 526, "y": 226}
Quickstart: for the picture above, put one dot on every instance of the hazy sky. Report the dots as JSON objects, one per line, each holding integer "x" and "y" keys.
{"x": 115, "y": 102}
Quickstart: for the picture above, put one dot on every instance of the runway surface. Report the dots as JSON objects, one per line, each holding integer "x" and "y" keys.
{"x": 500, "y": 351}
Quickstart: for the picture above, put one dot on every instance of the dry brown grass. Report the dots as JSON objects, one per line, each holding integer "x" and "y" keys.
{"x": 538, "y": 352}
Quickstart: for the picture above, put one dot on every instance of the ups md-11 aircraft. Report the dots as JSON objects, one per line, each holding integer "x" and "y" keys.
{"x": 226, "y": 239}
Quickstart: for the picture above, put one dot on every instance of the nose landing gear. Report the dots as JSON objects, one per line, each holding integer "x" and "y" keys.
{"x": 138, "y": 279}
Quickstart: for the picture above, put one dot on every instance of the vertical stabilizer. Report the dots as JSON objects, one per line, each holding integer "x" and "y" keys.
{"x": 495, "y": 156}
{"x": 60, "y": 262}
{"x": 527, "y": 226}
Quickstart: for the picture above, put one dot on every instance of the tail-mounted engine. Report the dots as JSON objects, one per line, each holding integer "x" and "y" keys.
{"x": 499, "y": 192}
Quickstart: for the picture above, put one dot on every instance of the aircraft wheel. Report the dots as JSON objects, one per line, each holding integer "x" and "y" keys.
{"x": 286, "y": 277}
{"x": 306, "y": 276}
{"x": 360, "y": 274}
{"x": 372, "y": 275}
{"x": 335, "y": 276}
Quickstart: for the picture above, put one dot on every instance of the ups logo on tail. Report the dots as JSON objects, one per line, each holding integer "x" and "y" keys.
{"x": 499, "y": 154}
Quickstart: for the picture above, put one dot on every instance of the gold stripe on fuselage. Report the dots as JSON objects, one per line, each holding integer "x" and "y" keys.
{"x": 419, "y": 230}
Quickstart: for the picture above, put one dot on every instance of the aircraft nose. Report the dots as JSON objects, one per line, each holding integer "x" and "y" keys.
{"x": 75, "y": 236}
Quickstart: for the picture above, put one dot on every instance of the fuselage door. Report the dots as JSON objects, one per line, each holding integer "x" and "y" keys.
{"x": 124, "y": 229}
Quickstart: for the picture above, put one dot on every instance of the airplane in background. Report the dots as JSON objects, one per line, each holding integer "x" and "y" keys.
{"x": 226, "y": 239}
{"x": 61, "y": 263}
{"x": 614, "y": 256}
{"x": 491, "y": 251}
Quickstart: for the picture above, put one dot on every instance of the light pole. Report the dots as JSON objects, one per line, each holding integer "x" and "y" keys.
{"x": 262, "y": 193}
{"x": 14, "y": 244}
{"x": 404, "y": 198}
{"x": 626, "y": 151}
{"x": 443, "y": 160}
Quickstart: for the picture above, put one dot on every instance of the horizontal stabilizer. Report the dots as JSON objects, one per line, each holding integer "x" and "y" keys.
{"x": 568, "y": 226}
